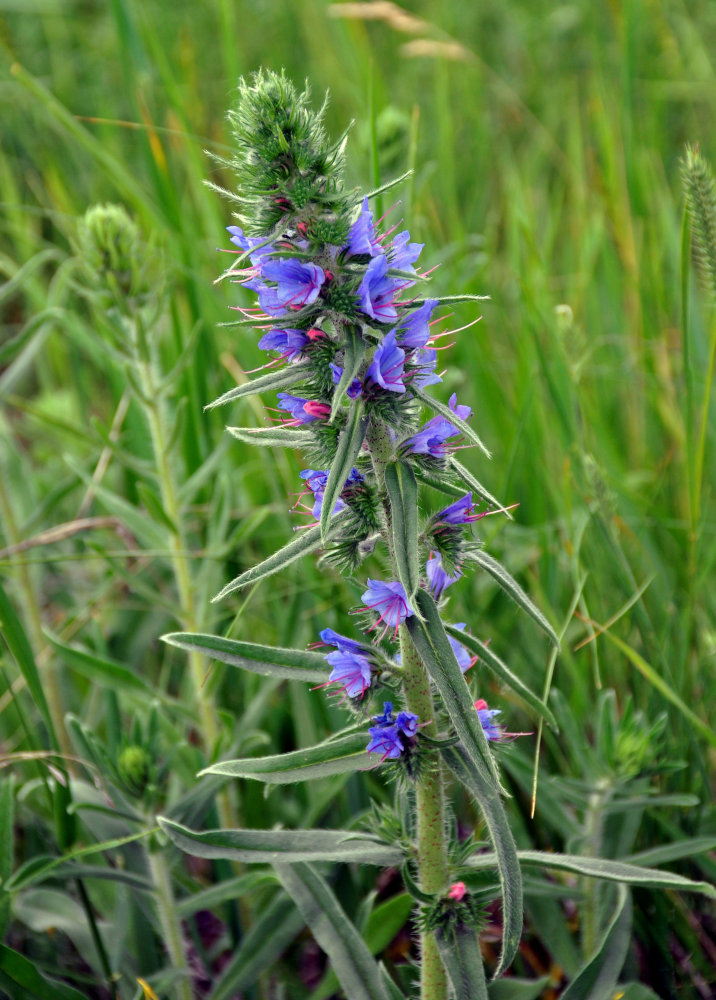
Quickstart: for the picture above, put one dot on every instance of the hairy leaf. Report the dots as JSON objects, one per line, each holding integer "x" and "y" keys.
{"x": 274, "y": 437}
{"x": 269, "y": 661}
{"x": 598, "y": 976}
{"x": 512, "y": 587}
{"x": 460, "y": 952}
{"x": 349, "y": 444}
{"x": 355, "y": 348}
{"x": 402, "y": 492}
{"x": 347, "y": 753}
{"x": 444, "y": 410}
{"x": 475, "y": 485}
{"x": 281, "y": 379}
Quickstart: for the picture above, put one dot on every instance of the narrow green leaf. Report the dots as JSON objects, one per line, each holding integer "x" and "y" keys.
{"x": 224, "y": 892}
{"x": 476, "y": 486}
{"x": 460, "y": 952}
{"x": 18, "y": 644}
{"x": 274, "y": 437}
{"x": 355, "y": 348}
{"x": 269, "y": 661}
{"x": 267, "y": 846}
{"x": 281, "y": 379}
{"x": 7, "y": 840}
{"x": 303, "y": 542}
{"x": 517, "y": 989}
{"x": 444, "y": 410}
{"x": 24, "y": 975}
{"x": 442, "y": 485}
{"x": 391, "y": 987}
{"x": 335, "y": 757}
{"x": 613, "y": 871}
{"x": 597, "y": 979}
{"x": 103, "y": 671}
{"x": 508, "y": 867}
{"x": 348, "y": 954}
{"x": 512, "y": 587}
{"x": 155, "y": 508}
{"x": 437, "y": 654}
{"x": 277, "y": 925}
{"x": 493, "y": 661}
{"x": 349, "y": 444}
{"x": 673, "y": 852}
{"x": 402, "y": 490}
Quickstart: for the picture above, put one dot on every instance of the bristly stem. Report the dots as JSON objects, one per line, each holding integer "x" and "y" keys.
{"x": 429, "y": 794}
{"x": 169, "y": 921}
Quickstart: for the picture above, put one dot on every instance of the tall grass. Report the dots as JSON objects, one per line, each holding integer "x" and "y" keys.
{"x": 546, "y": 142}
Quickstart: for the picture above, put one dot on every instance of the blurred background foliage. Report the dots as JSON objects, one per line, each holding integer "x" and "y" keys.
{"x": 546, "y": 141}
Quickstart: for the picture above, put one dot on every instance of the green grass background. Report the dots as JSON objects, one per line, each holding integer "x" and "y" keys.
{"x": 545, "y": 140}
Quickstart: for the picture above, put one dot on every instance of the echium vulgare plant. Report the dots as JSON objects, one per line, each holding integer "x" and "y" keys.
{"x": 352, "y": 353}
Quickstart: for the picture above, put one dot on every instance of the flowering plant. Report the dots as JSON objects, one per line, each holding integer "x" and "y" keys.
{"x": 352, "y": 350}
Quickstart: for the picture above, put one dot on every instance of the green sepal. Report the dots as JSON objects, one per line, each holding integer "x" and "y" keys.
{"x": 281, "y": 379}
{"x": 508, "y": 867}
{"x": 402, "y": 490}
{"x": 269, "y": 661}
{"x": 612, "y": 871}
{"x": 268, "y": 846}
{"x": 599, "y": 975}
{"x": 413, "y": 888}
{"x": 460, "y": 953}
{"x": 339, "y": 756}
{"x": 444, "y": 410}
{"x": 476, "y": 486}
{"x": 348, "y": 954}
{"x": 355, "y": 348}
{"x": 304, "y": 542}
{"x": 438, "y": 656}
{"x": 349, "y": 444}
{"x": 493, "y": 661}
{"x": 512, "y": 587}
{"x": 274, "y": 437}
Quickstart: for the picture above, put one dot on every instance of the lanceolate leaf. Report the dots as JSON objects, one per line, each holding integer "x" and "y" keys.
{"x": 508, "y": 866}
{"x": 281, "y": 379}
{"x": 349, "y": 444}
{"x": 302, "y": 543}
{"x": 349, "y": 957}
{"x": 493, "y": 661}
{"x": 335, "y": 757}
{"x": 402, "y": 492}
{"x": 444, "y": 410}
{"x": 355, "y": 348}
{"x": 267, "y": 846}
{"x": 512, "y": 587}
{"x": 269, "y": 661}
{"x": 274, "y": 437}
{"x": 613, "y": 871}
{"x": 460, "y": 951}
{"x": 598, "y": 977}
{"x": 475, "y": 485}
{"x": 437, "y": 654}
{"x": 23, "y": 976}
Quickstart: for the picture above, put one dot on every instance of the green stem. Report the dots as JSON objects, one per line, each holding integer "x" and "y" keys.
{"x": 593, "y": 830}
{"x": 170, "y": 924}
{"x": 433, "y": 871}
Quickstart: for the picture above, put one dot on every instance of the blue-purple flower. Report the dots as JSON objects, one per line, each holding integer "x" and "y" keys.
{"x": 438, "y": 579}
{"x": 425, "y": 373}
{"x": 377, "y": 291}
{"x": 404, "y": 254}
{"x": 386, "y": 368}
{"x": 288, "y": 343}
{"x": 493, "y": 730}
{"x": 386, "y": 735}
{"x": 351, "y": 670}
{"x": 342, "y": 642}
{"x": 430, "y": 440}
{"x": 459, "y": 512}
{"x": 414, "y": 329}
{"x": 361, "y": 236}
{"x": 354, "y": 390}
{"x": 303, "y": 411}
{"x": 249, "y": 243}
{"x": 463, "y": 657}
{"x": 390, "y": 601}
{"x": 297, "y": 284}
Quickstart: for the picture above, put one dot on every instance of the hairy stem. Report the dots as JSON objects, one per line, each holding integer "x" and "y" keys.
{"x": 170, "y": 923}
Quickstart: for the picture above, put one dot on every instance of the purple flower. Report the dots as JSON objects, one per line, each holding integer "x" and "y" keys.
{"x": 376, "y": 293}
{"x": 414, "y": 329}
{"x": 465, "y": 661}
{"x": 303, "y": 411}
{"x": 492, "y": 730}
{"x": 351, "y": 671}
{"x": 438, "y": 579}
{"x": 354, "y": 389}
{"x": 386, "y": 368}
{"x": 386, "y": 719}
{"x": 407, "y": 723}
{"x": 390, "y": 601}
{"x": 425, "y": 374}
{"x": 315, "y": 479}
{"x": 341, "y": 642}
{"x": 288, "y": 343}
{"x": 458, "y": 512}
{"x": 431, "y": 439}
{"x": 403, "y": 254}
{"x": 248, "y": 243}
{"x": 385, "y": 740}
{"x": 297, "y": 284}
{"x": 361, "y": 237}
